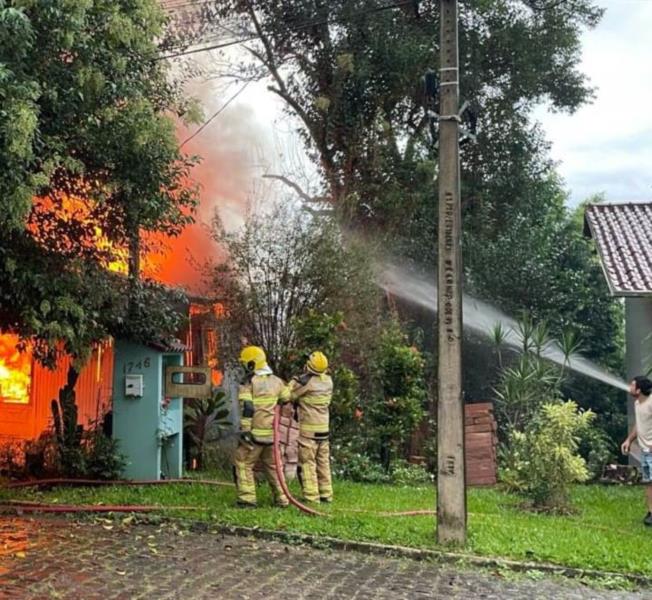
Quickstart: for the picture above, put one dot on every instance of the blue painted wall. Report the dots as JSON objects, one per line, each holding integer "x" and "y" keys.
{"x": 149, "y": 436}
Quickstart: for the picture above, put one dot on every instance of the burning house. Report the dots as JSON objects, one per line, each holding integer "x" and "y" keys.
{"x": 27, "y": 388}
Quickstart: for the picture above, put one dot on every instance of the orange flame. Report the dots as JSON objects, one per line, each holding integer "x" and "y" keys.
{"x": 15, "y": 371}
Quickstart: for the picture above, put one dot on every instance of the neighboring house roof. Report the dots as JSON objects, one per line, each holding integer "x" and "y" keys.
{"x": 623, "y": 236}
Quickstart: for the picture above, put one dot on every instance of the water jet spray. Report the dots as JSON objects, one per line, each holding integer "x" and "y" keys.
{"x": 480, "y": 317}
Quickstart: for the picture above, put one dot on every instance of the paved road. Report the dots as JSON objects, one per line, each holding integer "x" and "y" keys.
{"x": 59, "y": 558}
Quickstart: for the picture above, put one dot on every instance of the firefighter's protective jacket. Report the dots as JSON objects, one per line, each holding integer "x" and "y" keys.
{"x": 313, "y": 394}
{"x": 258, "y": 396}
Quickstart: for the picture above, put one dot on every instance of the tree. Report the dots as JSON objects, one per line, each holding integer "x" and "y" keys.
{"x": 283, "y": 265}
{"x": 89, "y": 162}
{"x": 350, "y": 72}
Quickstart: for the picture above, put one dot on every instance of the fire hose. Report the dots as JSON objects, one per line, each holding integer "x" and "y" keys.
{"x": 29, "y": 506}
{"x": 40, "y": 507}
{"x": 280, "y": 474}
{"x": 100, "y": 482}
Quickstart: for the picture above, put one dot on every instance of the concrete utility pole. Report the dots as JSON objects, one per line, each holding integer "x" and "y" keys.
{"x": 451, "y": 480}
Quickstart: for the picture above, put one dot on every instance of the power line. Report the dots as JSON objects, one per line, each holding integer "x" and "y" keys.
{"x": 215, "y": 115}
{"x": 297, "y": 28}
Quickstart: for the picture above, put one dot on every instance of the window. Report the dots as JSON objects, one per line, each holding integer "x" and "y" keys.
{"x": 15, "y": 371}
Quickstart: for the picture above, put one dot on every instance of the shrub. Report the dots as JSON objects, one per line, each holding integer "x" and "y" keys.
{"x": 97, "y": 454}
{"x": 409, "y": 475}
{"x": 596, "y": 448}
{"x": 68, "y": 433}
{"x": 41, "y": 457}
{"x": 357, "y": 466}
{"x": 521, "y": 390}
{"x": 11, "y": 459}
{"x": 543, "y": 460}
{"x": 102, "y": 459}
{"x": 398, "y": 393}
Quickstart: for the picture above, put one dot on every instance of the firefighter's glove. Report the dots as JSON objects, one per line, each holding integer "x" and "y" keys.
{"x": 246, "y": 437}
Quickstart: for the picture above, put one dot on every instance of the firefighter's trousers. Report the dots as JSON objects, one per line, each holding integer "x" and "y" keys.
{"x": 246, "y": 457}
{"x": 314, "y": 458}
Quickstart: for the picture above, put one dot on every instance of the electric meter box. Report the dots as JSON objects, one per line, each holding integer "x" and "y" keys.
{"x": 134, "y": 386}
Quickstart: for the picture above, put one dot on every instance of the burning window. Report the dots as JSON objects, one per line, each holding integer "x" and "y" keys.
{"x": 15, "y": 371}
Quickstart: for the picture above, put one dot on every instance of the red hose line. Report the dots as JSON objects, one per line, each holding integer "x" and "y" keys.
{"x": 72, "y": 508}
{"x": 26, "y": 506}
{"x": 278, "y": 464}
{"x": 100, "y": 482}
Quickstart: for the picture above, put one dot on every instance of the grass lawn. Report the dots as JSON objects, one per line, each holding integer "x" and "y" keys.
{"x": 607, "y": 532}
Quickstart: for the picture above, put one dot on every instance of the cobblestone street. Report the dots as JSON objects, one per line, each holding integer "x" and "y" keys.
{"x": 59, "y": 558}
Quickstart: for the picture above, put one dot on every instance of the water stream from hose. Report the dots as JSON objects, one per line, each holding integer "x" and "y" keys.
{"x": 481, "y": 318}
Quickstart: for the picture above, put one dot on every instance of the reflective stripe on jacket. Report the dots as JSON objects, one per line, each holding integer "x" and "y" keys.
{"x": 258, "y": 397}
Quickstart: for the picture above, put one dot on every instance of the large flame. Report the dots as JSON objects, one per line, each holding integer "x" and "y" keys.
{"x": 15, "y": 371}
{"x": 224, "y": 175}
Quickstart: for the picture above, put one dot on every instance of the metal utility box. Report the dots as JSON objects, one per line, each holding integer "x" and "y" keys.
{"x": 147, "y": 422}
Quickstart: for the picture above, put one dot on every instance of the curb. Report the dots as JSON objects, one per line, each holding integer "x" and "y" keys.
{"x": 322, "y": 542}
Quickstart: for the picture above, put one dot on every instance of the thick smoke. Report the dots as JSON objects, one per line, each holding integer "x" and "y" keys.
{"x": 231, "y": 148}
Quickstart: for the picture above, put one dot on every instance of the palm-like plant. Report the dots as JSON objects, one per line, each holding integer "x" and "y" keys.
{"x": 204, "y": 421}
{"x": 499, "y": 335}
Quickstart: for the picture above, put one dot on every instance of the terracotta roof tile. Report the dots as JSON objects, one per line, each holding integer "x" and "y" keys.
{"x": 623, "y": 236}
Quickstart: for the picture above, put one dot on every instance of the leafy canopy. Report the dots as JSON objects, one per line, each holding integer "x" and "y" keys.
{"x": 89, "y": 159}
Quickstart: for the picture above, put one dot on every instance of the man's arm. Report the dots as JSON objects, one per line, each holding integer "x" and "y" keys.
{"x": 624, "y": 447}
{"x": 284, "y": 394}
{"x": 299, "y": 386}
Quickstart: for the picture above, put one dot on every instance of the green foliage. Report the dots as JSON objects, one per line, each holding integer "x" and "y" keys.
{"x": 550, "y": 269}
{"x": 596, "y": 447}
{"x": 204, "y": 420}
{"x": 523, "y": 388}
{"x": 399, "y": 396}
{"x": 102, "y": 458}
{"x": 79, "y": 453}
{"x": 542, "y": 461}
{"x": 352, "y": 465}
{"x": 314, "y": 331}
{"x": 405, "y": 474}
{"x": 375, "y": 406}
{"x": 362, "y": 118}
{"x": 85, "y": 119}
{"x": 359, "y": 105}
{"x": 346, "y": 402}
{"x": 348, "y": 463}
{"x": 290, "y": 274}
{"x": 321, "y": 331}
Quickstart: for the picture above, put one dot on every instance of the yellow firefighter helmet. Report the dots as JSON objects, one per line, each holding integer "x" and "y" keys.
{"x": 317, "y": 363}
{"x": 253, "y": 358}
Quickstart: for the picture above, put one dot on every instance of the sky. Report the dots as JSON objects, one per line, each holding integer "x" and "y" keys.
{"x": 603, "y": 148}
{"x": 606, "y": 147}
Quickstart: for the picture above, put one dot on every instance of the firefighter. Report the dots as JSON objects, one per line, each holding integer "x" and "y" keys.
{"x": 312, "y": 393}
{"x": 260, "y": 391}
